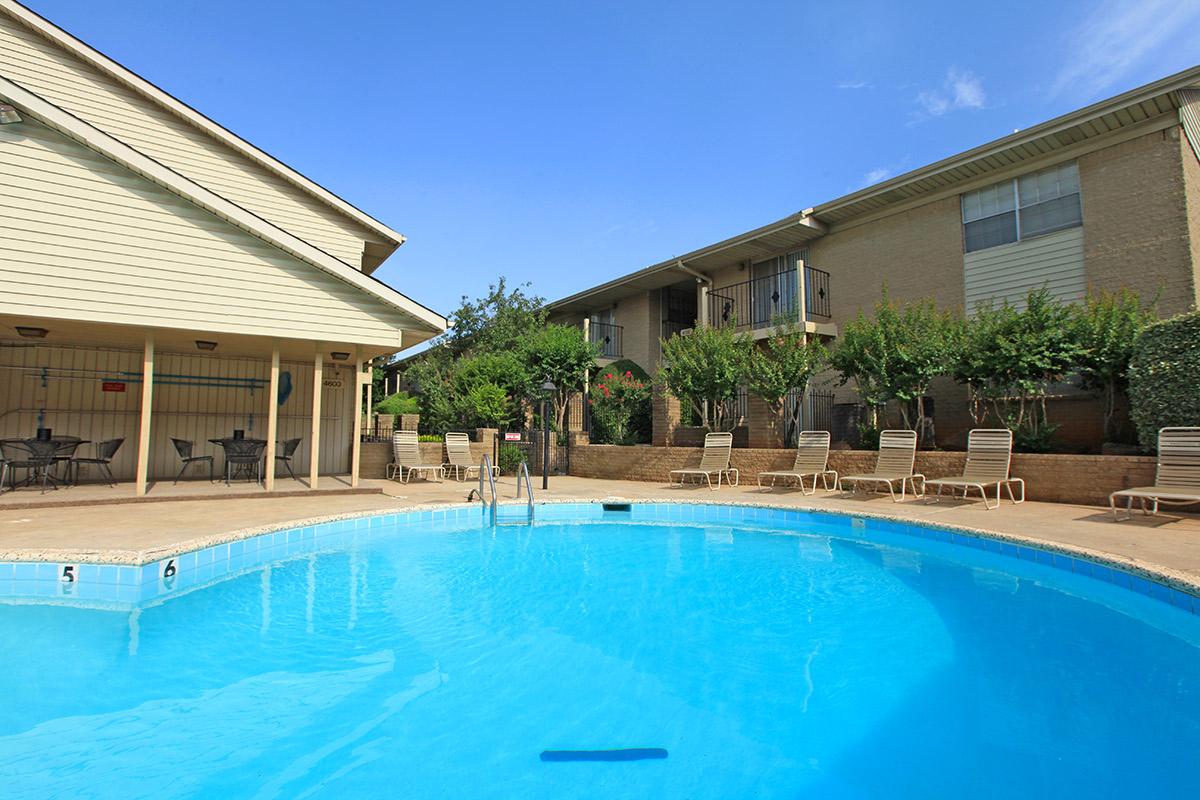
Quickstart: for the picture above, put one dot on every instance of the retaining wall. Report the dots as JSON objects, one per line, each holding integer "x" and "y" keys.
{"x": 1052, "y": 478}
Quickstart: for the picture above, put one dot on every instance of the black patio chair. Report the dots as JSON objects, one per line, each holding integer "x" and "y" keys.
{"x": 104, "y": 455}
{"x": 245, "y": 453}
{"x": 34, "y": 455}
{"x": 289, "y": 449}
{"x": 184, "y": 448}
{"x": 65, "y": 453}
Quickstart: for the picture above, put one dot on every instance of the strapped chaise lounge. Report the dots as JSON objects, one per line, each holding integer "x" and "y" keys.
{"x": 715, "y": 461}
{"x": 989, "y": 458}
{"x": 812, "y": 458}
{"x": 897, "y": 455}
{"x": 406, "y": 458}
{"x": 458, "y": 458}
{"x": 1176, "y": 479}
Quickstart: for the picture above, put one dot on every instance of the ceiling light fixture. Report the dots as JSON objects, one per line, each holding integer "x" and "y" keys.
{"x": 203, "y": 345}
{"x": 339, "y": 356}
{"x": 32, "y": 333}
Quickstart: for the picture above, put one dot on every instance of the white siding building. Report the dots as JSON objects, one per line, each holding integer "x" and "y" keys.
{"x": 161, "y": 278}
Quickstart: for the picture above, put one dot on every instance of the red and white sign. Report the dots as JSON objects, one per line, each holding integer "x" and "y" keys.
{"x": 112, "y": 386}
{"x": 512, "y": 437}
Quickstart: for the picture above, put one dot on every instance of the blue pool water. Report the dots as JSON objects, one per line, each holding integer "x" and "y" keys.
{"x": 822, "y": 658}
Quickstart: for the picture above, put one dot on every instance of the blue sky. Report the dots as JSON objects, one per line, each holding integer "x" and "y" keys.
{"x": 566, "y": 143}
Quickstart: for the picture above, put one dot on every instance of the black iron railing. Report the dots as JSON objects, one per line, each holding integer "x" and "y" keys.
{"x": 607, "y": 337}
{"x": 816, "y": 293}
{"x": 670, "y": 328}
{"x": 766, "y": 300}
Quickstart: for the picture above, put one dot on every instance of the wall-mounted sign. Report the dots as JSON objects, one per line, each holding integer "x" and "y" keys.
{"x": 112, "y": 386}
{"x": 512, "y": 437}
{"x": 332, "y": 383}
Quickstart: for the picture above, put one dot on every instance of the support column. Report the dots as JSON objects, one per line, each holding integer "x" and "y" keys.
{"x": 314, "y": 456}
{"x": 356, "y": 453}
{"x": 370, "y": 390}
{"x": 587, "y": 337}
{"x": 143, "y": 457}
{"x": 801, "y": 299}
{"x": 272, "y": 419}
{"x": 702, "y": 310}
{"x": 665, "y": 415}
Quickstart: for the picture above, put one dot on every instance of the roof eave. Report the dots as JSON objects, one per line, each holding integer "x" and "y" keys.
{"x": 155, "y": 94}
{"x": 69, "y": 125}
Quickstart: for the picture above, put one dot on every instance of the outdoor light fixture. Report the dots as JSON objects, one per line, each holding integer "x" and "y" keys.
{"x": 203, "y": 345}
{"x": 8, "y": 114}
{"x": 32, "y": 333}
{"x": 339, "y": 356}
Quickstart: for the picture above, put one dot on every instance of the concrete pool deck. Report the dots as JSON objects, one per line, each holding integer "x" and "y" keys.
{"x": 133, "y": 533}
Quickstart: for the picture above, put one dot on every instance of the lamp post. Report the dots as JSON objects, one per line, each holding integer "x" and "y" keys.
{"x": 548, "y": 390}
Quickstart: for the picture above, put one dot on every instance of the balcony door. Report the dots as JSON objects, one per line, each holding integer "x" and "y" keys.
{"x": 773, "y": 289}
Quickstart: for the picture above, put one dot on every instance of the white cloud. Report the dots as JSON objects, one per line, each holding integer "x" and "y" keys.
{"x": 854, "y": 85}
{"x": 876, "y": 175}
{"x": 1116, "y": 37}
{"x": 960, "y": 89}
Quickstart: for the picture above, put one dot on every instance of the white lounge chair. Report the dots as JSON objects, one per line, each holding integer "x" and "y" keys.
{"x": 812, "y": 458}
{"x": 458, "y": 458}
{"x": 989, "y": 458}
{"x": 715, "y": 461}
{"x": 406, "y": 458}
{"x": 1176, "y": 479}
{"x": 897, "y": 455}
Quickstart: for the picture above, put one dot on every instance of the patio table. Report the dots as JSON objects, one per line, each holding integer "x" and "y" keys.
{"x": 240, "y": 466}
{"x": 43, "y": 455}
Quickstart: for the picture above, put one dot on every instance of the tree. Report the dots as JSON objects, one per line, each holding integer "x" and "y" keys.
{"x": 1163, "y": 375}
{"x": 705, "y": 369}
{"x": 1007, "y": 357}
{"x": 860, "y": 356}
{"x": 560, "y": 354}
{"x": 498, "y": 321}
{"x": 786, "y": 360}
{"x": 1106, "y": 329}
{"x": 488, "y": 405}
{"x": 506, "y": 369}
{"x": 896, "y": 354}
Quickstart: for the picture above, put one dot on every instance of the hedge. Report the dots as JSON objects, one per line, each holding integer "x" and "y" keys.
{"x": 1164, "y": 377}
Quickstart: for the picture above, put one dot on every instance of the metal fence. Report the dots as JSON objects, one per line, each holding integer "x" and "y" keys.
{"x": 811, "y": 411}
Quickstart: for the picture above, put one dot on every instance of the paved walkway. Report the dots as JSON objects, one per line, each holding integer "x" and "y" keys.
{"x": 130, "y": 533}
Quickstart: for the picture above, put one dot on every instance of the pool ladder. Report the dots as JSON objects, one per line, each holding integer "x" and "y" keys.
{"x": 485, "y": 468}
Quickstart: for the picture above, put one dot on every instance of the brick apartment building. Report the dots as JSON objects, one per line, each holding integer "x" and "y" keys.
{"x": 1104, "y": 197}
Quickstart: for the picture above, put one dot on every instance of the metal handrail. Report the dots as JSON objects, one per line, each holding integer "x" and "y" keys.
{"x": 485, "y": 468}
{"x": 524, "y": 470}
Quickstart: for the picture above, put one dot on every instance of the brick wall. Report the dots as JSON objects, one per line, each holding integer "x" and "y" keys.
{"x": 1050, "y": 478}
{"x": 1135, "y": 224}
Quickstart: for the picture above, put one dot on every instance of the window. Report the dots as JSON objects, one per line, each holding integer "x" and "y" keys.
{"x": 1031, "y": 205}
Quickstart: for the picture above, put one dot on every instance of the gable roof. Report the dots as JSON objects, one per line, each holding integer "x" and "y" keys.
{"x": 101, "y": 142}
{"x": 154, "y": 94}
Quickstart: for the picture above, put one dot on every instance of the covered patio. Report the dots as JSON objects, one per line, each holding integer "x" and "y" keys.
{"x": 145, "y": 390}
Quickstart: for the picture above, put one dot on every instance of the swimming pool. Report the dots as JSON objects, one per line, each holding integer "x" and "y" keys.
{"x": 697, "y": 651}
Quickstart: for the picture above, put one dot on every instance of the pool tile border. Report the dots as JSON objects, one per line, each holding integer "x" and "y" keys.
{"x": 129, "y": 578}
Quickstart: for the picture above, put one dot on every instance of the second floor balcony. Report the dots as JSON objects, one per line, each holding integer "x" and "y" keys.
{"x": 766, "y": 300}
{"x": 607, "y": 337}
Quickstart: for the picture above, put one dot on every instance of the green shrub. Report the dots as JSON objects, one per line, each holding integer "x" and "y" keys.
{"x": 615, "y": 399}
{"x": 1164, "y": 377}
{"x": 509, "y": 458}
{"x": 398, "y": 403}
{"x": 488, "y": 405}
